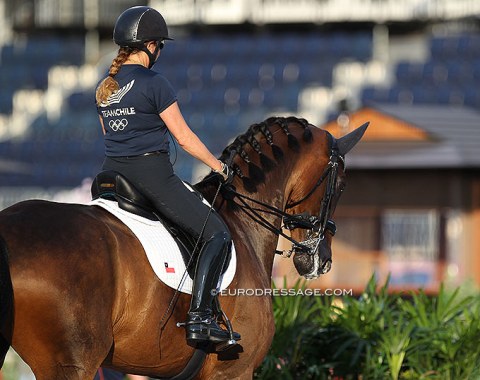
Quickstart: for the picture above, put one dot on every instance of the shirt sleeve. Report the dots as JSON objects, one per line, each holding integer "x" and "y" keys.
{"x": 163, "y": 94}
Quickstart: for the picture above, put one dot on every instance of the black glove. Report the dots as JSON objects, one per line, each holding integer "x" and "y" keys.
{"x": 226, "y": 173}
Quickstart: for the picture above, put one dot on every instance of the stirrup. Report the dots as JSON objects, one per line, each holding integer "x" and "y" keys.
{"x": 220, "y": 344}
{"x": 234, "y": 336}
{"x": 225, "y": 345}
{"x": 206, "y": 330}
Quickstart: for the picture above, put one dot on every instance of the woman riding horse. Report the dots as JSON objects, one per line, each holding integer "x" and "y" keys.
{"x": 77, "y": 291}
{"x": 137, "y": 108}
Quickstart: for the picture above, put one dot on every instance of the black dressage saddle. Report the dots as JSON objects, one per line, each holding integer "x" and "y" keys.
{"x": 113, "y": 186}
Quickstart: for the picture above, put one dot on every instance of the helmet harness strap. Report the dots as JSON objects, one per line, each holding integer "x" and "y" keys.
{"x": 152, "y": 57}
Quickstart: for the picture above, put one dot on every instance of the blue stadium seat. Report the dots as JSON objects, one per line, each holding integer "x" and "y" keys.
{"x": 285, "y": 97}
{"x": 423, "y": 94}
{"x": 443, "y": 94}
{"x": 476, "y": 71}
{"x": 409, "y": 72}
{"x": 434, "y": 73}
{"x": 7, "y": 54}
{"x": 459, "y": 72}
{"x": 318, "y": 72}
{"x": 362, "y": 47}
{"x": 374, "y": 94}
{"x": 444, "y": 47}
{"x": 472, "y": 96}
{"x": 339, "y": 44}
{"x": 81, "y": 100}
{"x": 469, "y": 46}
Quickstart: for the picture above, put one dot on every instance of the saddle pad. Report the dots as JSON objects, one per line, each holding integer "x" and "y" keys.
{"x": 161, "y": 249}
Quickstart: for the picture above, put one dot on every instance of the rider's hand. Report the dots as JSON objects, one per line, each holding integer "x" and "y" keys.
{"x": 226, "y": 173}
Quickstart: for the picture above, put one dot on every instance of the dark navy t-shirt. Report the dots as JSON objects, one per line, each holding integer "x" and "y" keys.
{"x": 131, "y": 116}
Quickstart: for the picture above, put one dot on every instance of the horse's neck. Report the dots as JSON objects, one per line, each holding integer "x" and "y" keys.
{"x": 258, "y": 242}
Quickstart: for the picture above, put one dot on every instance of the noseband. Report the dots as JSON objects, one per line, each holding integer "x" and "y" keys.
{"x": 316, "y": 225}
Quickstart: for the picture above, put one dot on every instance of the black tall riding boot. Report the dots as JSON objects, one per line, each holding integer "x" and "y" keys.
{"x": 201, "y": 325}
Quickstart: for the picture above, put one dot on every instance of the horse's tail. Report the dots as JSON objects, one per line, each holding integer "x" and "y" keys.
{"x": 6, "y": 302}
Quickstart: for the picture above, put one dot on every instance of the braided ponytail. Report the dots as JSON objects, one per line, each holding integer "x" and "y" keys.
{"x": 109, "y": 85}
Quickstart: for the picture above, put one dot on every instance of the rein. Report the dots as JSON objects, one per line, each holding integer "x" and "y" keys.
{"x": 316, "y": 224}
{"x": 255, "y": 214}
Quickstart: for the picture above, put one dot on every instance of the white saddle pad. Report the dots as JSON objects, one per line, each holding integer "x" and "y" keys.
{"x": 162, "y": 250}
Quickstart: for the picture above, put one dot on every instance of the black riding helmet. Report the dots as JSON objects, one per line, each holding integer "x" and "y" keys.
{"x": 140, "y": 24}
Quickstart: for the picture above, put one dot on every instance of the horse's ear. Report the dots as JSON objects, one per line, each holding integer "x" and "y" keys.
{"x": 347, "y": 142}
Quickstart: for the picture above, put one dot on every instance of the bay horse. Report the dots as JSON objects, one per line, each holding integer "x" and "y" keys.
{"x": 77, "y": 292}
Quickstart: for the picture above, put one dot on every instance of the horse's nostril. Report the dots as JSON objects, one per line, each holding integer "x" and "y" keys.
{"x": 327, "y": 266}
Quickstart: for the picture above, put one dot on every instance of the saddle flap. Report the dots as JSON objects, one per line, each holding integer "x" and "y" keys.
{"x": 163, "y": 250}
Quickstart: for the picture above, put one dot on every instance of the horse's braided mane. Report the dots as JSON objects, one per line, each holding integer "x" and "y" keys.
{"x": 256, "y": 174}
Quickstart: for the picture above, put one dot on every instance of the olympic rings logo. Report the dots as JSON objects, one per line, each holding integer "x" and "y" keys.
{"x": 118, "y": 124}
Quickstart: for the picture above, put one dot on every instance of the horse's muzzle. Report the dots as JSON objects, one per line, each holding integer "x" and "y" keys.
{"x": 311, "y": 266}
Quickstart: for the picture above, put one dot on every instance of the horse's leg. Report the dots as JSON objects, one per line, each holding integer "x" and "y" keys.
{"x": 63, "y": 352}
{"x": 62, "y": 326}
{"x": 64, "y": 289}
{"x": 63, "y": 355}
{"x": 62, "y": 342}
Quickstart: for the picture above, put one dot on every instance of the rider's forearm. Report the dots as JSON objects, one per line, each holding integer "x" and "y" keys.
{"x": 195, "y": 147}
{"x": 186, "y": 138}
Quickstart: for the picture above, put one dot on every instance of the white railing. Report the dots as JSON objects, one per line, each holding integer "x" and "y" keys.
{"x": 180, "y": 12}
{"x": 67, "y": 13}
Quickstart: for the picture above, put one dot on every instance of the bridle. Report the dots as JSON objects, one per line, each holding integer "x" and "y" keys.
{"x": 317, "y": 225}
